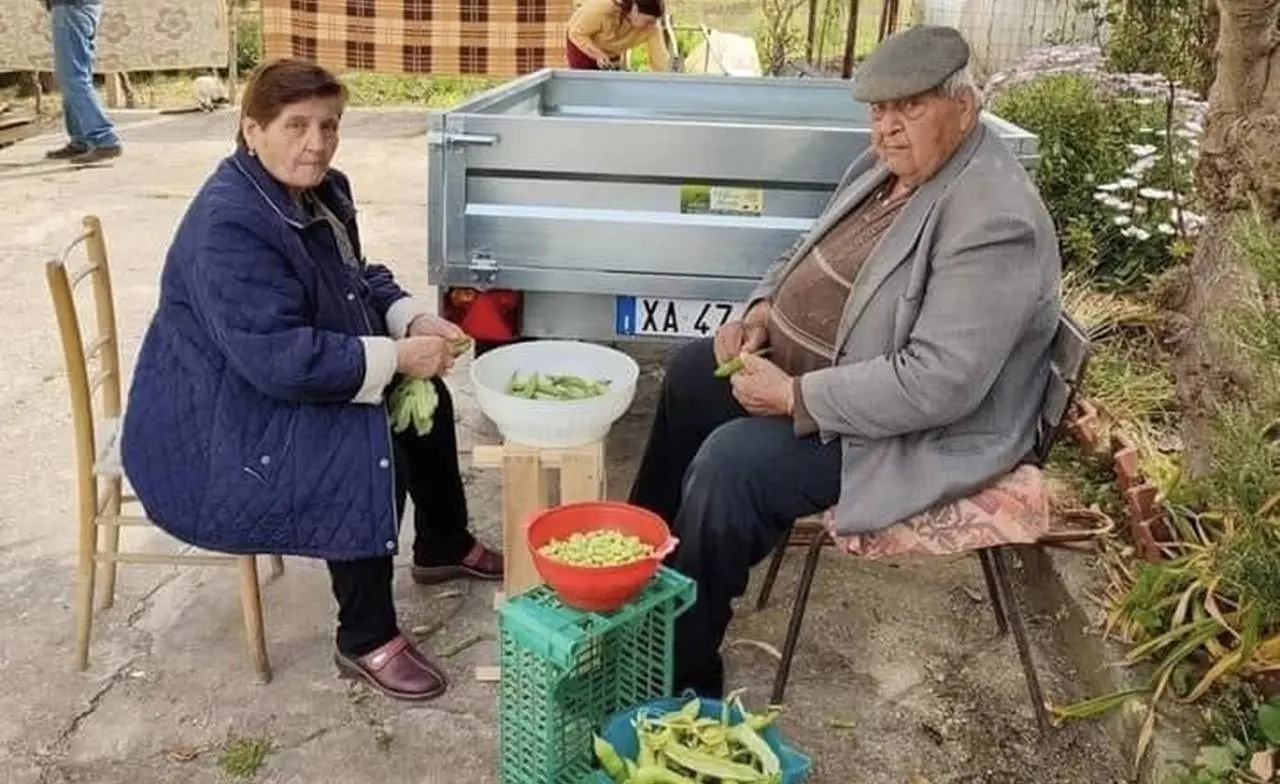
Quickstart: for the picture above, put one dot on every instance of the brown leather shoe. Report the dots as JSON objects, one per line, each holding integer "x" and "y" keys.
{"x": 96, "y": 155}
{"x": 481, "y": 563}
{"x": 67, "y": 151}
{"x": 397, "y": 669}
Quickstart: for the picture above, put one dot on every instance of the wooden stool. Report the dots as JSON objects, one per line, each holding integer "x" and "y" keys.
{"x": 525, "y": 490}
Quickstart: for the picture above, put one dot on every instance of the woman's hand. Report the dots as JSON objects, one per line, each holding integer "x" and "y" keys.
{"x": 423, "y": 356}
{"x": 430, "y": 324}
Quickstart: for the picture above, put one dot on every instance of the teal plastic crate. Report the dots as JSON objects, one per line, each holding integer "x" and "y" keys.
{"x": 565, "y": 671}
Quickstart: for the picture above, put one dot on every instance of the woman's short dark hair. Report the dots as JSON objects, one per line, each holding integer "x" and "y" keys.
{"x": 275, "y": 85}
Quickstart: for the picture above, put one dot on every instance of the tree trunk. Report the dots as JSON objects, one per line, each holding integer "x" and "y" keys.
{"x": 1239, "y": 165}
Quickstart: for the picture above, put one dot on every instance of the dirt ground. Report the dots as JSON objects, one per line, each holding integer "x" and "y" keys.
{"x": 899, "y": 677}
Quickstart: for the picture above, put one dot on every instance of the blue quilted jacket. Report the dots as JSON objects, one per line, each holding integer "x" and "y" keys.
{"x": 239, "y": 434}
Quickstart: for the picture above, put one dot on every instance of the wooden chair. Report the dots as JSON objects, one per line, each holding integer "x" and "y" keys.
{"x": 93, "y": 376}
{"x": 1012, "y": 511}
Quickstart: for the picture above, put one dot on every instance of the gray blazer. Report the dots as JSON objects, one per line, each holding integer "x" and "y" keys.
{"x": 942, "y": 353}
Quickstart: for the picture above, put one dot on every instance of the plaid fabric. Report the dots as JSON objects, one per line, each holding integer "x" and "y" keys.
{"x": 501, "y": 38}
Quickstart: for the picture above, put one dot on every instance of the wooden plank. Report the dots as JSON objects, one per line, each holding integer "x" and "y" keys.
{"x": 20, "y": 129}
{"x": 581, "y": 472}
{"x": 523, "y": 493}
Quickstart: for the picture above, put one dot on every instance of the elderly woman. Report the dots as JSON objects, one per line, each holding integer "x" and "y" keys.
{"x": 257, "y": 420}
{"x": 909, "y": 330}
{"x": 601, "y": 32}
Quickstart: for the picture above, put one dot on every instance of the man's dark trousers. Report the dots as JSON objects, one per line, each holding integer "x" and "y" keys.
{"x": 730, "y": 485}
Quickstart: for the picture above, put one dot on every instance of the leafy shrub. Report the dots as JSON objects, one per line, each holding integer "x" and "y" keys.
{"x": 1092, "y": 137}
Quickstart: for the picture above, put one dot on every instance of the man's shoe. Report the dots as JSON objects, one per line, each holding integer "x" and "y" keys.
{"x": 481, "y": 563}
{"x": 96, "y": 155}
{"x": 397, "y": 669}
{"x": 67, "y": 151}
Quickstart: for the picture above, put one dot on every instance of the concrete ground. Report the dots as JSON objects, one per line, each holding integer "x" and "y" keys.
{"x": 899, "y": 677}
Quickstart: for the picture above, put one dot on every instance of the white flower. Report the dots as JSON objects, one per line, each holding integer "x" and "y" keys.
{"x": 1136, "y": 233}
{"x": 1139, "y": 210}
{"x": 1165, "y": 228}
{"x": 1109, "y": 187}
{"x": 1121, "y": 220}
{"x": 1142, "y": 150}
{"x": 1143, "y": 101}
{"x": 1127, "y": 182}
{"x": 1155, "y": 193}
{"x": 1184, "y": 133}
{"x": 1146, "y": 130}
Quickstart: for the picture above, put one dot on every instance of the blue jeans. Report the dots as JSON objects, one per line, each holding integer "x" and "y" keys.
{"x": 74, "y": 29}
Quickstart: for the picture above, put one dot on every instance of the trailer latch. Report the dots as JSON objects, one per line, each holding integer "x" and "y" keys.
{"x": 483, "y": 267}
{"x": 446, "y": 139}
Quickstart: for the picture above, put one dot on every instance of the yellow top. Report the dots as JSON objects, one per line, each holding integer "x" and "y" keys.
{"x": 597, "y": 24}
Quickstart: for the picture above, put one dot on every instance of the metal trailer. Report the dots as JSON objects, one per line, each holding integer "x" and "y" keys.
{"x": 558, "y": 204}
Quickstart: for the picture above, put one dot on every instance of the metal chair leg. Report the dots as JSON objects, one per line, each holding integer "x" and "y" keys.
{"x": 797, "y": 618}
{"x": 1010, "y": 604}
{"x": 770, "y": 576}
{"x": 997, "y": 605}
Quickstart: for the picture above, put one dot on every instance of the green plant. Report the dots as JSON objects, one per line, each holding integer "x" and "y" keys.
{"x": 1210, "y": 613}
{"x": 242, "y": 758}
{"x": 1171, "y": 37}
{"x": 248, "y": 40}
{"x": 1085, "y": 135}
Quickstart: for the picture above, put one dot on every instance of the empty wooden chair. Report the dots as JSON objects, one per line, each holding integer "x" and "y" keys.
{"x": 92, "y": 357}
{"x": 1012, "y": 511}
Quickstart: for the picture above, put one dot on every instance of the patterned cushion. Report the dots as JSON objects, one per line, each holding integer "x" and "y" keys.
{"x": 1013, "y": 510}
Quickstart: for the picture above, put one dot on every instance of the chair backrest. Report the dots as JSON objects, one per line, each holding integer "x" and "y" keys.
{"x": 1068, "y": 361}
{"x": 92, "y": 357}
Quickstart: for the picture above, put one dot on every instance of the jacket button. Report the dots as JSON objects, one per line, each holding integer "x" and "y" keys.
{"x": 265, "y": 460}
{"x": 350, "y": 296}
{"x": 384, "y": 463}
{"x": 391, "y": 545}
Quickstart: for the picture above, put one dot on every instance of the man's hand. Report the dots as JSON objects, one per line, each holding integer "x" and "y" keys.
{"x": 749, "y": 334}
{"x": 762, "y": 388}
{"x": 428, "y": 324}
{"x": 421, "y": 356}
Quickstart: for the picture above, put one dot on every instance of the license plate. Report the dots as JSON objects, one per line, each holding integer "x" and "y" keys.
{"x": 677, "y": 318}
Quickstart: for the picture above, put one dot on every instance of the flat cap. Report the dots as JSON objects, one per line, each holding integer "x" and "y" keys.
{"x": 911, "y": 62}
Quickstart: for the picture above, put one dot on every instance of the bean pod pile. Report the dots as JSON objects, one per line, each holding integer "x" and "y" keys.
{"x": 550, "y": 386}
{"x": 684, "y": 747}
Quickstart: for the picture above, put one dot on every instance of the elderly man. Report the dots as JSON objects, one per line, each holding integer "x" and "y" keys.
{"x": 909, "y": 331}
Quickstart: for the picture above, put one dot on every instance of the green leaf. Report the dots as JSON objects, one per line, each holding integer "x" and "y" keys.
{"x": 1216, "y": 759}
{"x": 1269, "y": 721}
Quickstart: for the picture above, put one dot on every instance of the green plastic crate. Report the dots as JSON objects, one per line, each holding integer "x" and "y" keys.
{"x": 564, "y": 671}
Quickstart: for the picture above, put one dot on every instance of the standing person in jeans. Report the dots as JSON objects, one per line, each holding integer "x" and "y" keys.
{"x": 92, "y": 135}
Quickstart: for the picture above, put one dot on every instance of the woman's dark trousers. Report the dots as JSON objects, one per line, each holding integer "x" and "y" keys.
{"x": 426, "y": 470}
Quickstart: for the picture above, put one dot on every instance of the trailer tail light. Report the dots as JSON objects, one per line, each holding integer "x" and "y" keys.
{"x": 492, "y": 315}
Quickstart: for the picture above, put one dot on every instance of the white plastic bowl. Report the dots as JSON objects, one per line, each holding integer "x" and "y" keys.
{"x": 554, "y": 423}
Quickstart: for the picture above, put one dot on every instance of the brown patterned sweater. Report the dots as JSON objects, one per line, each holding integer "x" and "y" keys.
{"x": 806, "y": 309}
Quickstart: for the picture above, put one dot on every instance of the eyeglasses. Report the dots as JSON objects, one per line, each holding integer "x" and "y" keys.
{"x": 909, "y": 109}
